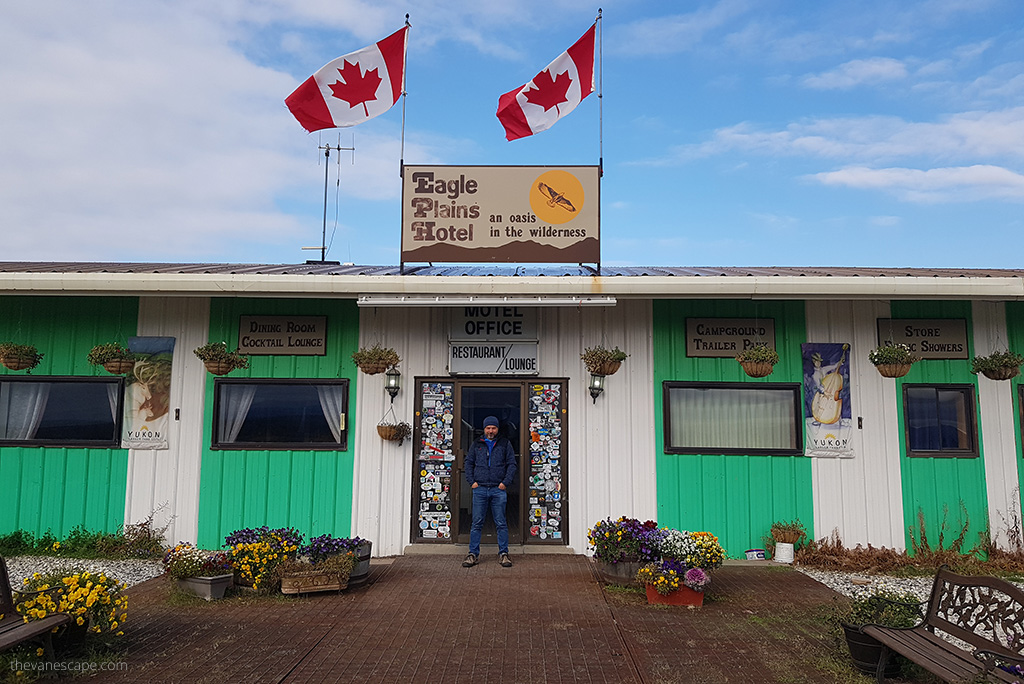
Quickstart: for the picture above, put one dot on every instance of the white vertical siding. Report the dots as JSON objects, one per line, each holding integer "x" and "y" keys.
{"x": 861, "y": 497}
{"x": 611, "y": 443}
{"x": 995, "y": 408}
{"x": 166, "y": 482}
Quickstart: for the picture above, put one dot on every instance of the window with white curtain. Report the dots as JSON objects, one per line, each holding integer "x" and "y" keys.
{"x": 732, "y": 418}
{"x": 280, "y": 414}
{"x": 939, "y": 420}
{"x": 60, "y": 411}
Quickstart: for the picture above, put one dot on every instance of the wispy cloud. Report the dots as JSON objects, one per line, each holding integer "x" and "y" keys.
{"x": 858, "y": 72}
{"x": 675, "y": 33}
{"x": 963, "y": 183}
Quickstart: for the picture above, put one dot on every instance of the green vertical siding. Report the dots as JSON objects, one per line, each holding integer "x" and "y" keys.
{"x": 309, "y": 490}
{"x": 1015, "y": 341}
{"x": 58, "y": 489}
{"x": 734, "y": 497}
{"x": 936, "y": 487}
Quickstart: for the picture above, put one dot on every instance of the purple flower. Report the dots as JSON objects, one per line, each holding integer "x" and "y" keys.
{"x": 696, "y": 579}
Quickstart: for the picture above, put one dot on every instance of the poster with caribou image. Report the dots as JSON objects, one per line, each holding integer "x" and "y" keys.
{"x": 828, "y": 422}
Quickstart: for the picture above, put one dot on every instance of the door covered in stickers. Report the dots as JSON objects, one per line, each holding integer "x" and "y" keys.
{"x": 532, "y": 415}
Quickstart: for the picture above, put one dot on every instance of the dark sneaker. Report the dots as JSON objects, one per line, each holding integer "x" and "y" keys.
{"x": 470, "y": 561}
{"x": 505, "y": 561}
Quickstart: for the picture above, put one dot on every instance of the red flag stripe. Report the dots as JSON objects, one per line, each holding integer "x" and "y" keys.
{"x": 512, "y": 117}
{"x": 308, "y": 107}
{"x": 393, "y": 50}
{"x": 582, "y": 54}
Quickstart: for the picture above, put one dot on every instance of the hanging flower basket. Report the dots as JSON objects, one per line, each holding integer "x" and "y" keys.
{"x": 114, "y": 357}
{"x": 391, "y": 429}
{"x": 1000, "y": 365}
{"x": 218, "y": 360}
{"x": 757, "y": 369}
{"x": 18, "y": 357}
{"x": 219, "y": 367}
{"x": 602, "y": 361}
{"x": 893, "y": 370}
{"x": 375, "y": 359}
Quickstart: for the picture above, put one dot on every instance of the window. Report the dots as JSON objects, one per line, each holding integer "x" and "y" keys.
{"x": 60, "y": 412}
{"x": 732, "y": 418}
{"x": 939, "y": 420}
{"x": 280, "y": 414}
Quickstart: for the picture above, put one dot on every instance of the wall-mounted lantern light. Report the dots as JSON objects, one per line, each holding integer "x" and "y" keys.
{"x": 393, "y": 382}
{"x": 596, "y": 386}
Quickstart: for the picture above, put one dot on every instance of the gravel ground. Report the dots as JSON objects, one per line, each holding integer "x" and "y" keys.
{"x": 128, "y": 571}
{"x": 857, "y": 584}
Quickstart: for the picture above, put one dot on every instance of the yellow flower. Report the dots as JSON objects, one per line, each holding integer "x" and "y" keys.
{"x": 39, "y": 652}
{"x": 80, "y": 621}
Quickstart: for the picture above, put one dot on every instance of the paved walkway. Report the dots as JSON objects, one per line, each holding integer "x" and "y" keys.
{"x": 426, "y": 619}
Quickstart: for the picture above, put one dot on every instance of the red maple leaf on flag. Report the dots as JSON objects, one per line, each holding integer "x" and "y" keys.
{"x": 548, "y": 92}
{"x": 355, "y": 87}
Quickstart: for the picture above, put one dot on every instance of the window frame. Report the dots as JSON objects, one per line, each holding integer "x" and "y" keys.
{"x": 798, "y": 427}
{"x": 966, "y": 389}
{"x": 114, "y": 443}
{"x": 217, "y": 445}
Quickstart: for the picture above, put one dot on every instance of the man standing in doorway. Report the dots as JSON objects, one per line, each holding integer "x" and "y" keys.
{"x": 490, "y": 469}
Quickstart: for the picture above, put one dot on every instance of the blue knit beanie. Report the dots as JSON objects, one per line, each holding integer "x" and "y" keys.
{"x": 490, "y": 420}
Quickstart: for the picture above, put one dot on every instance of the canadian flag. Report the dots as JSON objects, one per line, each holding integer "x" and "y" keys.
{"x": 552, "y": 93}
{"x": 353, "y": 88}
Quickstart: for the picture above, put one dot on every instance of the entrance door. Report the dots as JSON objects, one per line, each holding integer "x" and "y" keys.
{"x": 532, "y": 414}
{"x": 505, "y": 403}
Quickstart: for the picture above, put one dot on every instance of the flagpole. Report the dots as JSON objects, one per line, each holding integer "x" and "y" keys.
{"x": 600, "y": 93}
{"x": 401, "y": 162}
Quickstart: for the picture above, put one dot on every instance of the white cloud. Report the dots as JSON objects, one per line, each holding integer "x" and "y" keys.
{"x": 964, "y": 183}
{"x": 885, "y": 221}
{"x": 674, "y": 33}
{"x": 858, "y": 72}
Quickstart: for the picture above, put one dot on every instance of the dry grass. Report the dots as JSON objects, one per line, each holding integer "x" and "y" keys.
{"x": 985, "y": 558}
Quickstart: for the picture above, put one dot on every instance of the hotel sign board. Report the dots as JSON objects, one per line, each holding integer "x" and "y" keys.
{"x": 282, "y": 335}
{"x": 727, "y": 337}
{"x": 928, "y": 338}
{"x": 482, "y": 214}
{"x": 492, "y": 358}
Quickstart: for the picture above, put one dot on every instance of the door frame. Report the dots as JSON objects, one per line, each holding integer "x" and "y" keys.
{"x": 523, "y": 454}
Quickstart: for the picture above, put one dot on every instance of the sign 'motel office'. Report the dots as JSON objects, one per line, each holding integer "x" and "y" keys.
{"x": 493, "y": 340}
{"x": 524, "y": 214}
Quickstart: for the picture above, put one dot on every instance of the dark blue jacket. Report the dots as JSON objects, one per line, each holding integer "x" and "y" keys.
{"x": 488, "y": 469}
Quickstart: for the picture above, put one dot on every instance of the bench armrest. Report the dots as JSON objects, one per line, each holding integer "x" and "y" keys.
{"x": 918, "y": 606}
{"x": 22, "y": 596}
{"x": 990, "y": 658}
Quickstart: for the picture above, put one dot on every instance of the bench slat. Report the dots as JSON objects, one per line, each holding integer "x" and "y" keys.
{"x": 14, "y": 632}
{"x": 927, "y": 650}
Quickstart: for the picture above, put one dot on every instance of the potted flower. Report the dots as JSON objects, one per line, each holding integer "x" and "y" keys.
{"x": 207, "y": 574}
{"x": 324, "y": 565}
{"x": 892, "y": 360}
{"x": 786, "y": 535}
{"x": 113, "y": 357}
{"x": 879, "y": 607}
{"x": 218, "y": 360}
{"x": 672, "y": 583}
{"x": 602, "y": 361}
{"x": 759, "y": 360}
{"x": 393, "y": 432}
{"x": 326, "y": 545}
{"x": 375, "y": 359}
{"x": 19, "y": 356}
{"x": 622, "y": 546}
{"x": 1000, "y": 365}
{"x": 256, "y": 553}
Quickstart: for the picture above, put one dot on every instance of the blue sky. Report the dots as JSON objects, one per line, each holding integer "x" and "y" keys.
{"x": 736, "y": 133}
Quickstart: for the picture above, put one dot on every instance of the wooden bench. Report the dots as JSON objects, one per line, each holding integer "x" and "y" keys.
{"x": 987, "y": 613}
{"x": 13, "y": 628}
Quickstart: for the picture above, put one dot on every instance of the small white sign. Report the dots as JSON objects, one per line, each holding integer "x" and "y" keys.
{"x": 492, "y": 358}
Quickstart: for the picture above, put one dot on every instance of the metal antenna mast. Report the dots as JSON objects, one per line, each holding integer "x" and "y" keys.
{"x": 327, "y": 157}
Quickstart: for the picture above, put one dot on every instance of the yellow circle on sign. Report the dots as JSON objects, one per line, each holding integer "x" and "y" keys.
{"x": 556, "y": 196}
{"x": 423, "y": 473}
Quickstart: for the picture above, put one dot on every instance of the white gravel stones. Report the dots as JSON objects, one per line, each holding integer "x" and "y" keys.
{"x": 128, "y": 571}
{"x": 859, "y": 584}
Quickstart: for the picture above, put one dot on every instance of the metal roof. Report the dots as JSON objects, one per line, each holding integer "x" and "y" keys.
{"x": 499, "y": 270}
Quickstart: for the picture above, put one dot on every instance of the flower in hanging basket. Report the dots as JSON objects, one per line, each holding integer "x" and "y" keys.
{"x": 1000, "y": 365}
{"x": 19, "y": 356}
{"x": 394, "y": 432}
{"x": 892, "y": 360}
{"x": 602, "y": 361}
{"x": 218, "y": 360}
{"x": 759, "y": 360}
{"x": 113, "y": 357}
{"x": 375, "y": 359}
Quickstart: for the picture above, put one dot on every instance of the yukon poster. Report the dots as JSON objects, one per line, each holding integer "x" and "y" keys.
{"x": 523, "y": 214}
{"x": 828, "y": 425}
{"x": 147, "y": 394}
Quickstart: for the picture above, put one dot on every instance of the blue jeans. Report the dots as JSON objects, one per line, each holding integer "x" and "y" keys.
{"x": 494, "y": 499}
